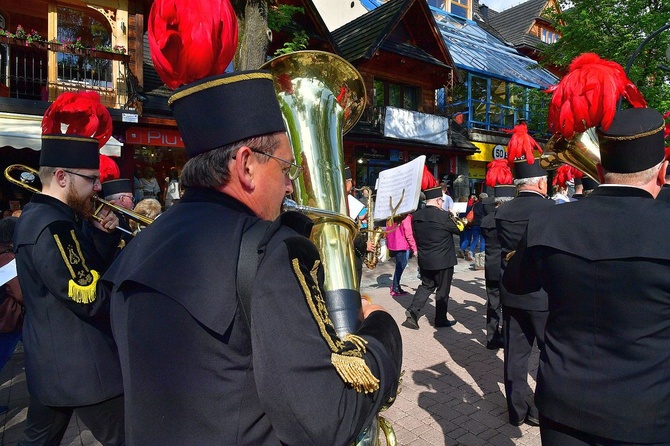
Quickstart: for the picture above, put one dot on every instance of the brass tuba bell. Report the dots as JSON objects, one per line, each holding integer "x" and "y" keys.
{"x": 582, "y": 152}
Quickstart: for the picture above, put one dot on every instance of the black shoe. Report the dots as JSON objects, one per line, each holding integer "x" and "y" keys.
{"x": 531, "y": 420}
{"x": 494, "y": 344}
{"x": 446, "y": 323}
{"x": 411, "y": 321}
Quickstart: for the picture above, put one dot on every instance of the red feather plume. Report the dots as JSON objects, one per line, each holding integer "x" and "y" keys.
{"x": 83, "y": 113}
{"x": 521, "y": 144}
{"x": 109, "y": 170}
{"x": 191, "y": 39}
{"x": 428, "y": 180}
{"x": 498, "y": 172}
{"x": 563, "y": 174}
{"x": 577, "y": 173}
{"x": 588, "y": 95}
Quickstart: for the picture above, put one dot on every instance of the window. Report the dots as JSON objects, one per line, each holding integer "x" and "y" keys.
{"x": 460, "y": 8}
{"x": 81, "y": 29}
{"x": 396, "y": 95}
{"x": 548, "y": 36}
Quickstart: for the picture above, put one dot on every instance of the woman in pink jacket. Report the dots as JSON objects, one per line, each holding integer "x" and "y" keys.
{"x": 399, "y": 241}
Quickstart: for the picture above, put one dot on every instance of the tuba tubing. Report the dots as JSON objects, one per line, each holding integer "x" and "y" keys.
{"x": 581, "y": 151}
{"x": 322, "y": 96}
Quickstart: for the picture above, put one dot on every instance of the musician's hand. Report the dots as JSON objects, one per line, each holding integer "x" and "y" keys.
{"x": 369, "y": 307}
{"x": 370, "y": 246}
{"x": 108, "y": 221}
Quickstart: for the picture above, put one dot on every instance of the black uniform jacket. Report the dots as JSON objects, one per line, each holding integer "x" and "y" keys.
{"x": 195, "y": 374}
{"x": 433, "y": 229}
{"x": 493, "y": 248}
{"x": 664, "y": 194}
{"x": 605, "y": 366}
{"x": 70, "y": 356}
{"x": 511, "y": 220}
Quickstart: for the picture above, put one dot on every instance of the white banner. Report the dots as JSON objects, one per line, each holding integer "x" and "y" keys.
{"x": 407, "y": 124}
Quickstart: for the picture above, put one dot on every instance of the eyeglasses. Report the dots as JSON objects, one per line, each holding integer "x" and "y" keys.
{"x": 292, "y": 171}
{"x": 92, "y": 178}
{"x": 130, "y": 197}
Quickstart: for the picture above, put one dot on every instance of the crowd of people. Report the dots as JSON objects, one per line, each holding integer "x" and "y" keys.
{"x": 213, "y": 324}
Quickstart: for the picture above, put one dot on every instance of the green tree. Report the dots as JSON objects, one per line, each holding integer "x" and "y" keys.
{"x": 614, "y": 29}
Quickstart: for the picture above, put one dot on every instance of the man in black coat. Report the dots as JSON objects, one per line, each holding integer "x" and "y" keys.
{"x": 494, "y": 336}
{"x": 61, "y": 252}
{"x": 524, "y": 315}
{"x": 209, "y": 357}
{"x": 603, "y": 375}
{"x": 433, "y": 231}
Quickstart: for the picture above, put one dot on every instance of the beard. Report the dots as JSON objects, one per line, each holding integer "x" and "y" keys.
{"x": 81, "y": 205}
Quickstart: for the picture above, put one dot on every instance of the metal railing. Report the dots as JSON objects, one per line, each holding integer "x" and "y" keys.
{"x": 25, "y": 72}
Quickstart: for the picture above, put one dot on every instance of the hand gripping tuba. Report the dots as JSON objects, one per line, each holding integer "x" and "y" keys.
{"x": 322, "y": 96}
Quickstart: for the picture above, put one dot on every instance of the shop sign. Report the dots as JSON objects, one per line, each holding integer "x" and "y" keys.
{"x": 154, "y": 137}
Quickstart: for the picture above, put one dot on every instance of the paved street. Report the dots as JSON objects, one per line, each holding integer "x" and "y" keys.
{"x": 452, "y": 391}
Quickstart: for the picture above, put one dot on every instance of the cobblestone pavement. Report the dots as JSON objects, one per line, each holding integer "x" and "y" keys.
{"x": 452, "y": 390}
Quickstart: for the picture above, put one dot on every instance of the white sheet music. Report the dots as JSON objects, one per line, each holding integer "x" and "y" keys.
{"x": 7, "y": 272}
{"x": 392, "y": 183}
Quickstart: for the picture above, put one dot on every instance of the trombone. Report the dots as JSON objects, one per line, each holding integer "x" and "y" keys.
{"x": 28, "y": 176}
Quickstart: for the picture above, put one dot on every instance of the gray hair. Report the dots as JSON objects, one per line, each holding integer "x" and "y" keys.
{"x": 632, "y": 179}
{"x": 528, "y": 181}
{"x": 210, "y": 169}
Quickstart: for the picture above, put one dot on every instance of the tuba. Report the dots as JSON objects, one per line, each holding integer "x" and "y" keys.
{"x": 581, "y": 151}
{"x": 322, "y": 96}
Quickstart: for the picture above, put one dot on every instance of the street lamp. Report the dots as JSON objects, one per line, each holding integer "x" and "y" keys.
{"x": 644, "y": 43}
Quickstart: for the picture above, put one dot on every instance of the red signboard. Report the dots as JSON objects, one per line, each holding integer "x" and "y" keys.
{"x": 153, "y": 137}
{"x": 453, "y": 164}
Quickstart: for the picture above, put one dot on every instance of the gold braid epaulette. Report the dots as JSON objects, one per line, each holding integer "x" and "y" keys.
{"x": 347, "y": 353}
{"x": 83, "y": 283}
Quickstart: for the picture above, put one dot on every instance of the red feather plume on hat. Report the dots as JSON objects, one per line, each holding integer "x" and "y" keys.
{"x": 498, "y": 172}
{"x": 588, "y": 95}
{"x": 109, "y": 170}
{"x": 83, "y": 113}
{"x": 521, "y": 144}
{"x": 191, "y": 39}
{"x": 428, "y": 180}
{"x": 564, "y": 174}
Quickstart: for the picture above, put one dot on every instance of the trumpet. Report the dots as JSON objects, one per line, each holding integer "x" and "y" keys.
{"x": 29, "y": 175}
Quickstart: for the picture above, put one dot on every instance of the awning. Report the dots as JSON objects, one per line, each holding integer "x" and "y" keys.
{"x": 25, "y": 132}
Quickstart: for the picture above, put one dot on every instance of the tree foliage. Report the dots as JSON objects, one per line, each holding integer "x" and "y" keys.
{"x": 257, "y": 19}
{"x": 614, "y": 29}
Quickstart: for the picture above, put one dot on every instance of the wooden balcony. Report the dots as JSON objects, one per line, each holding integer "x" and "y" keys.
{"x": 42, "y": 70}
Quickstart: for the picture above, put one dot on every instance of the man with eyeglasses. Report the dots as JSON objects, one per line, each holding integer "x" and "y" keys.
{"x": 205, "y": 362}
{"x": 61, "y": 252}
{"x": 120, "y": 193}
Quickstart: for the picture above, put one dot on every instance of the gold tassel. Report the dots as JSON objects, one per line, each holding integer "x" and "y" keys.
{"x": 356, "y": 372}
{"x": 83, "y": 294}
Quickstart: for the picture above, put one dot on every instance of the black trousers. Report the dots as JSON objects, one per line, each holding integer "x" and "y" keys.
{"x": 522, "y": 328}
{"x": 46, "y": 425}
{"x": 556, "y": 434}
{"x": 493, "y": 310}
{"x": 438, "y": 281}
